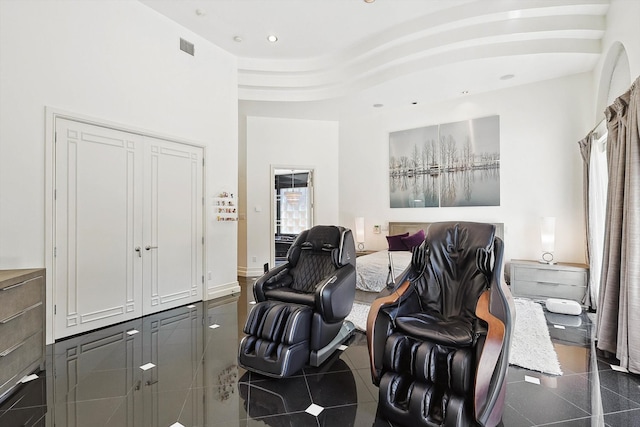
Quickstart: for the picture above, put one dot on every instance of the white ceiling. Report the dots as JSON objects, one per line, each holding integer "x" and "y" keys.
{"x": 393, "y": 52}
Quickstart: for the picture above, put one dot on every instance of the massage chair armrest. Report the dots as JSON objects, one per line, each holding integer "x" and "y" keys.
{"x": 494, "y": 308}
{"x": 335, "y": 294}
{"x": 272, "y": 279}
{"x": 380, "y": 321}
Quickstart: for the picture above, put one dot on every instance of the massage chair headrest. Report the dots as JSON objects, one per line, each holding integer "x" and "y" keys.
{"x": 322, "y": 239}
{"x": 459, "y": 241}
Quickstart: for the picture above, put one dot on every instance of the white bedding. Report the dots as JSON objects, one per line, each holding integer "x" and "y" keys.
{"x": 372, "y": 269}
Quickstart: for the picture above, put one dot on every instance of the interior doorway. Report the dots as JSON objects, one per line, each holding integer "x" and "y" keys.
{"x": 292, "y": 208}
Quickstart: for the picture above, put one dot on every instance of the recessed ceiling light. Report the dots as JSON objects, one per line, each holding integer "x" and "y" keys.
{"x": 369, "y": 1}
{"x": 507, "y": 77}
{"x": 414, "y": 103}
{"x": 378, "y": 105}
{"x": 465, "y": 92}
{"x": 237, "y": 39}
{"x": 200, "y": 12}
{"x": 272, "y": 38}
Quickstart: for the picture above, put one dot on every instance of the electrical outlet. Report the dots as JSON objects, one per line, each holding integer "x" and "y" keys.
{"x": 254, "y": 259}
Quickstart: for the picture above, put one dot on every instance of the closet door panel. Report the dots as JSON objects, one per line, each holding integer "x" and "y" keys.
{"x": 173, "y": 225}
{"x": 98, "y": 273}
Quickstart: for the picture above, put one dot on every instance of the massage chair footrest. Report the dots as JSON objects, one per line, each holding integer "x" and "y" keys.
{"x": 426, "y": 384}
{"x": 277, "y": 341}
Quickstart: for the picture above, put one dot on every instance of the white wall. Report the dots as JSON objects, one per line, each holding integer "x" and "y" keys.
{"x": 116, "y": 61}
{"x": 622, "y": 27}
{"x": 277, "y": 142}
{"x": 242, "y": 197}
{"x": 541, "y": 169}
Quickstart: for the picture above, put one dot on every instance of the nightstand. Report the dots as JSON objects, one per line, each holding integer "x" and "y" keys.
{"x": 532, "y": 279}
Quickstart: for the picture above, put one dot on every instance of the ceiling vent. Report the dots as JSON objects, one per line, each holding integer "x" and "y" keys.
{"x": 186, "y": 46}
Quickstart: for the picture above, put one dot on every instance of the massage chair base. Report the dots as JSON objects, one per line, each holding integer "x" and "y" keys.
{"x": 318, "y": 357}
{"x": 278, "y": 337}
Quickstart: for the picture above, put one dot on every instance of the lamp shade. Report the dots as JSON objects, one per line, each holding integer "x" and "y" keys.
{"x": 548, "y": 233}
{"x": 360, "y": 229}
{"x": 547, "y": 239}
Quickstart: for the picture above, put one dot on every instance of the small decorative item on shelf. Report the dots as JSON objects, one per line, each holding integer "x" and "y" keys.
{"x": 225, "y": 206}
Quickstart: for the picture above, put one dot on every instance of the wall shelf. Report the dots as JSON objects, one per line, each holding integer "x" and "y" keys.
{"x": 225, "y": 207}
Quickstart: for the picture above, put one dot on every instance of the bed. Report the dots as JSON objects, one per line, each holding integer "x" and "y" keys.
{"x": 372, "y": 271}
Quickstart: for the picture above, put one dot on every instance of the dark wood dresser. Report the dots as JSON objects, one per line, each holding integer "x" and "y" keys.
{"x": 22, "y": 331}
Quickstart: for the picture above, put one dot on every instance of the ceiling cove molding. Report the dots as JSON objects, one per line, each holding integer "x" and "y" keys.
{"x": 297, "y": 88}
{"x": 580, "y": 27}
{"x": 445, "y": 37}
{"x": 458, "y": 18}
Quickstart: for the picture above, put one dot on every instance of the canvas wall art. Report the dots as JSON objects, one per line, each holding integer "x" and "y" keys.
{"x": 446, "y": 165}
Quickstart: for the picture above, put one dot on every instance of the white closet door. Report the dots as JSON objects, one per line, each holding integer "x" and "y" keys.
{"x": 173, "y": 236}
{"x": 97, "y": 272}
{"x": 128, "y": 226}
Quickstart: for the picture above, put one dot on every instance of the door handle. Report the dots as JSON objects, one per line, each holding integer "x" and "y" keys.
{"x": 150, "y": 247}
{"x": 139, "y": 250}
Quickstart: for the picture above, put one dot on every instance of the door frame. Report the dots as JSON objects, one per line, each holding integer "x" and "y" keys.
{"x": 272, "y": 224}
{"x": 51, "y": 115}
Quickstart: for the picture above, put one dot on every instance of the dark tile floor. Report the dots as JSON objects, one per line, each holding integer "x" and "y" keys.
{"x": 104, "y": 378}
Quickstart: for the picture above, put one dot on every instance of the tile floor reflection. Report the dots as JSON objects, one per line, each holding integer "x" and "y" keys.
{"x": 173, "y": 369}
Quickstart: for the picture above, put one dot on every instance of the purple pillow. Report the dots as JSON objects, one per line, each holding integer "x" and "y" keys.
{"x": 414, "y": 240}
{"x": 396, "y": 243}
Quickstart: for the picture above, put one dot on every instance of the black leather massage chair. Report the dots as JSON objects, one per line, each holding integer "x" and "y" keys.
{"x": 301, "y": 305}
{"x": 439, "y": 342}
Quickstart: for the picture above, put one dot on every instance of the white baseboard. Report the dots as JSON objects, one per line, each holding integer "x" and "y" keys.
{"x": 246, "y": 272}
{"x": 223, "y": 290}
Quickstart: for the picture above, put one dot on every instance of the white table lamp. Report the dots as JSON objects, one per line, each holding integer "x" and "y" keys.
{"x": 360, "y": 232}
{"x": 547, "y": 238}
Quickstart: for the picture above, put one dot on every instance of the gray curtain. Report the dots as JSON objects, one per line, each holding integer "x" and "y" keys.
{"x": 619, "y": 300}
{"x": 585, "y": 151}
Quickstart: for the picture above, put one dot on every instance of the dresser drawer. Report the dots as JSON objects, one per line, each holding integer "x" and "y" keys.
{"x": 20, "y": 326}
{"x": 565, "y": 277}
{"x": 547, "y": 290}
{"x": 19, "y": 296}
{"x": 535, "y": 280}
{"x": 15, "y": 362}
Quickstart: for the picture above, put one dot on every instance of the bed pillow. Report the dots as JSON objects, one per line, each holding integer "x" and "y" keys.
{"x": 396, "y": 243}
{"x": 413, "y": 240}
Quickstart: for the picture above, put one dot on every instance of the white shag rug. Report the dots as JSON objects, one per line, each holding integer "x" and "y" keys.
{"x": 531, "y": 346}
{"x": 358, "y": 316}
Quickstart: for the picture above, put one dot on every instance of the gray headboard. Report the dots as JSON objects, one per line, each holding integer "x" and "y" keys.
{"x": 412, "y": 227}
